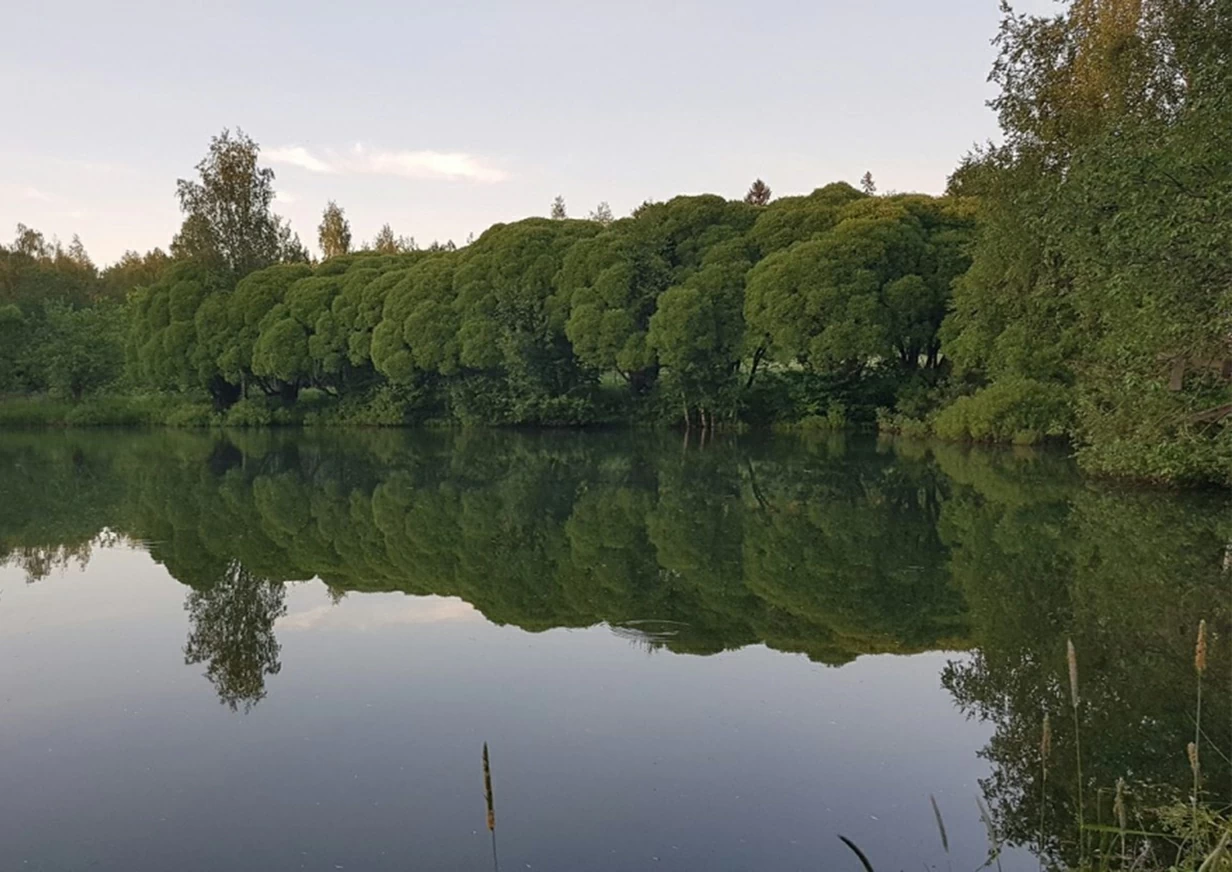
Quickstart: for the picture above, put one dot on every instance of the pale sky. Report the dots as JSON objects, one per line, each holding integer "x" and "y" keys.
{"x": 444, "y": 118}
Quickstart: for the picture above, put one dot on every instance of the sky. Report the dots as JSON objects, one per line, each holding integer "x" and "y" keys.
{"x": 444, "y": 118}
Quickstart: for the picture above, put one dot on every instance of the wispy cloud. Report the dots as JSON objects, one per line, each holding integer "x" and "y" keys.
{"x": 32, "y": 193}
{"x": 453, "y": 166}
{"x": 371, "y": 611}
{"x": 298, "y": 156}
{"x": 286, "y": 197}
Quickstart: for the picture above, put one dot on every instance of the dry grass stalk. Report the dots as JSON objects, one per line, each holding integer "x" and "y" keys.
{"x": 1072, "y": 657}
{"x": 1200, "y": 648}
{"x": 487, "y": 790}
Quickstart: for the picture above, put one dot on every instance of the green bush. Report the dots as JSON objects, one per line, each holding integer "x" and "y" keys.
{"x": 903, "y": 424}
{"x": 249, "y": 413}
{"x": 1007, "y": 411}
{"x": 190, "y": 415}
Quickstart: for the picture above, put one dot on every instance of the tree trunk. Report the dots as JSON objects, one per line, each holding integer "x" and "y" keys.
{"x": 757, "y": 356}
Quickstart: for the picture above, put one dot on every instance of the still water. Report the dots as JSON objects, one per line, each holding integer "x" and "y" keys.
{"x": 278, "y": 651}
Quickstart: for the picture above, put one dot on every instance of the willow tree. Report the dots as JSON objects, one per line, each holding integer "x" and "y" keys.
{"x": 610, "y": 284}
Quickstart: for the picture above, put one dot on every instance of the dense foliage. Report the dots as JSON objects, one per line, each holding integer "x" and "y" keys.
{"x": 1098, "y": 293}
{"x": 1073, "y": 283}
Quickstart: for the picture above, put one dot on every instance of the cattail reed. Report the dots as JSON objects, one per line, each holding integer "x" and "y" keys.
{"x": 487, "y": 790}
{"x": 1045, "y": 748}
{"x": 487, "y": 798}
{"x": 1118, "y": 808}
{"x": 1071, "y": 655}
{"x": 1200, "y": 669}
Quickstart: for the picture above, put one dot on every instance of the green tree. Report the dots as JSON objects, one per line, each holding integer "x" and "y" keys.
{"x": 558, "y": 209}
{"x": 228, "y": 224}
{"x": 334, "y": 234}
{"x": 759, "y": 194}
{"x": 233, "y": 634}
{"x": 601, "y": 214}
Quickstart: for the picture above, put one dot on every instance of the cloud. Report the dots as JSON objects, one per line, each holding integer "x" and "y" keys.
{"x": 32, "y": 193}
{"x": 297, "y": 156}
{"x": 286, "y": 197}
{"x": 370, "y": 611}
{"x": 452, "y": 166}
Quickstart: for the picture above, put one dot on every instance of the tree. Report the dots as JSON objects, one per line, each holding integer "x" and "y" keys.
{"x": 228, "y": 224}
{"x": 81, "y": 350}
{"x": 759, "y": 194}
{"x": 602, "y": 214}
{"x": 334, "y": 234}
{"x": 134, "y": 270}
{"x": 233, "y": 634}
{"x": 558, "y": 209}
{"x": 611, "y": 283}
{"x": 385, "y": 242}
{"x": 873, "y": 288}
{"x": 867, "y": 185}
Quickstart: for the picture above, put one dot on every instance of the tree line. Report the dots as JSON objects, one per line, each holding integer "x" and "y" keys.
{"x": 699, "y": 309}
{"x": 1072, "y": 282}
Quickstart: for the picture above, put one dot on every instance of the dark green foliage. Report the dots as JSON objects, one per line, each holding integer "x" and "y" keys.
{"x": 1100, "y": 267}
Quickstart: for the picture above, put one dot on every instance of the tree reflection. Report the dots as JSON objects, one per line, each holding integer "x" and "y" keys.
{"x": 833, "y": 548}
{"x": 232, "y": 633}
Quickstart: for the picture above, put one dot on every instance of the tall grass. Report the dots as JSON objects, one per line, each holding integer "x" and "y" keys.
{"x": 1071, "y": 656}
{"x": 1200, "y": 832}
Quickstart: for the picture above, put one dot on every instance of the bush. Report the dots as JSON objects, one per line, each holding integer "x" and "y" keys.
{"x": 249, "y": 413}
{"x": 903, "y": 424}
{"x": 190, "y": 415}
{"x": 1006, "y": 411}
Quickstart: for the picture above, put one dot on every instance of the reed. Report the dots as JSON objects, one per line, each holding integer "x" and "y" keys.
{"x": 1071, "y": 655}
{"x": 945, "y": 839}
{"x": 1200, "y": 669}
{"x": 1045, "y": 752}
{"x": 1118, "y": 809}
{"x": 488, "y": 801}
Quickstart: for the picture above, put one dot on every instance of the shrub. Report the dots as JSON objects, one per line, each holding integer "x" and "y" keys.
{"x": 1006, "y": 411}
{"x": 190, "y": 415}
{"x": 249, "y": 413}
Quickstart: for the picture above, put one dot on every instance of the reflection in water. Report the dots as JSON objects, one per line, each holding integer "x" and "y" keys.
{"x": 233, "y": 634}
{"x": 832, "y": 549}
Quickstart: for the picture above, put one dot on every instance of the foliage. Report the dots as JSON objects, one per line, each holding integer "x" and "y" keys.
{"x": 228, "y": 226}
{"x": 334, "y": 233}
{"x": 1098, "y": 263}
{"x": 1008, "y": 410}
{"x": 759, "y": 193}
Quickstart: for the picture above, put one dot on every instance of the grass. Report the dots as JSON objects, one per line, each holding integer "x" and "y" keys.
{"x": 1196, "y": 835}
{"x": 104, "y": 411}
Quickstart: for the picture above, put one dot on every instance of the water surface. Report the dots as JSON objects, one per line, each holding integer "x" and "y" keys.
{"x": 277, "y": 651}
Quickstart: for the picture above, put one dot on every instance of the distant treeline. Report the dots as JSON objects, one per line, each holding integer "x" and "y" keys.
{"x": 1074, "y": 282}
{"x": 698, "y": 310}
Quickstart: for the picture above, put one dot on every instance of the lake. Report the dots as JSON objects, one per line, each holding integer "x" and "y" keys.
{"x": 284, "y": 650}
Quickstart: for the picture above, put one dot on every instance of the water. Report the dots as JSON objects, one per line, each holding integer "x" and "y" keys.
{"x": 280, "y": 651}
